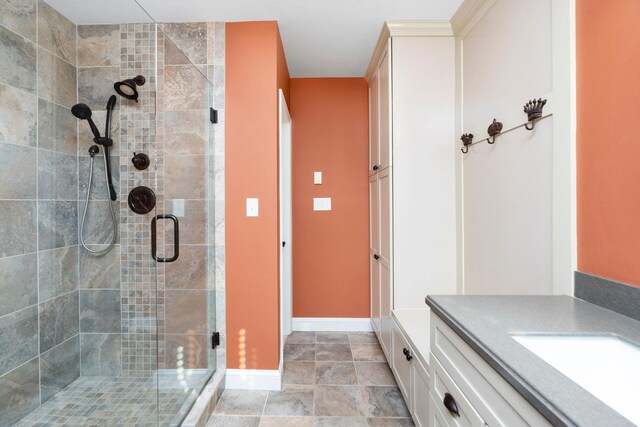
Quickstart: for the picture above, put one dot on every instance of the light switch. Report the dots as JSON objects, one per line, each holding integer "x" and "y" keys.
{"x": 252, "y": 207}
{"x": 322, "y": 204}
{"x": 317, "y": 178}
{"x": 178, "y": 208}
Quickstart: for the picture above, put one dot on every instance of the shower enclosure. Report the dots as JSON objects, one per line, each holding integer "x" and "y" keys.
{"x": 95, "y": 333}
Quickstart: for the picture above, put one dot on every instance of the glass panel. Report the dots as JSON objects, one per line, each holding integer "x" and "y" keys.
{"x": 186, "y": 358}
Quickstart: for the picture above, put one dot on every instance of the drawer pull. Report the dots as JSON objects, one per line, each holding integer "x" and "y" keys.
{"x": 450, "y": 404}
{"x": 376, "y": 167}
{"x": 376, "y": 257}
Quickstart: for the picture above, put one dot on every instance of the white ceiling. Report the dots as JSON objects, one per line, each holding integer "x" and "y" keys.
{"x": 322, "y": 38}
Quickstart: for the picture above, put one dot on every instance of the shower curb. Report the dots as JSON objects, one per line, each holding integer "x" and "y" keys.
{"x": 207, "y": 401}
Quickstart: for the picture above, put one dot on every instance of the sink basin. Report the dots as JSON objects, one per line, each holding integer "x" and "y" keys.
{"x": 605, "y": 366}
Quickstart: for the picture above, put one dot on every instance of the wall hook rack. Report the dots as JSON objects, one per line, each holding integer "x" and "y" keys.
{"x": 533, "y": 109}
{"x": 467, "y": 140}
{"x": 494, "y": 129}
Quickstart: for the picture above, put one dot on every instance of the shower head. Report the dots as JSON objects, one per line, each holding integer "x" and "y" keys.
{"x": 129, "y": 88}
{"x": 83, "y": 112}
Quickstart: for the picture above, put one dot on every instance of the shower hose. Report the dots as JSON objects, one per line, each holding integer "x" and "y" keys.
{"x": 86, "y": 206}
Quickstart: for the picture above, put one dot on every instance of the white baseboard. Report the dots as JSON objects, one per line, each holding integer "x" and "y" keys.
{"x": 350, "y": 324}
{"x": 253, "y": 379}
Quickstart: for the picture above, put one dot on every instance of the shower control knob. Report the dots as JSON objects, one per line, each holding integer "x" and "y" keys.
{"x": 142, "y": 200}
{"x": 140, "y": 161}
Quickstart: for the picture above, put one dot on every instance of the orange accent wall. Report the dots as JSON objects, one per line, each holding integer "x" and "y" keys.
{"x": 330, "y": 249}
{"x": 608, "y": 150}
{"x": 255, "y": 67}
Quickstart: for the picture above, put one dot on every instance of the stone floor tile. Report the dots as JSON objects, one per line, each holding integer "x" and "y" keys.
{"x": 290, "y": 401}
{"x": 301, "y": 337}
{"x": 335, "y": 352}
{"x": 233, "y": 421}
{"x": 374, "y": 373}
{"x": 368, "y": 353}
{"x": 340, "y": 422}
{"x": 241, "y": 402}
{"x": 336, "y": 373}
{"x": 384, "y": 401}
{"x": 339, "y": 401}
{"x": 300, "y": 352}
{"x": 363, "y": 338}
{"x": 299, "y": 372}
{"x": 286, "y": 422}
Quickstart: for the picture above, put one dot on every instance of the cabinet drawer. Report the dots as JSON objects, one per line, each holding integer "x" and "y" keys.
{"x": 402, "y": 366}
{"x": 441, "y": 386}
{"x": 436, "y": 418}
{"x": 496, "y": 401}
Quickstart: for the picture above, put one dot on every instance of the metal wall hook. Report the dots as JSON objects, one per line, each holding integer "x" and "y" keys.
{"x": 533, "y": 109}
{"x": 467, "y": 139}
{"x": 494, "y": 129}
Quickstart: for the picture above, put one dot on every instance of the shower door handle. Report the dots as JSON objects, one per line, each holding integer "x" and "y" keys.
{"x": 176, "y": 238}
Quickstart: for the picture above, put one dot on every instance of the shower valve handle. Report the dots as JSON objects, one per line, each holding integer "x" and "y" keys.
{"x": 140, "y": 161}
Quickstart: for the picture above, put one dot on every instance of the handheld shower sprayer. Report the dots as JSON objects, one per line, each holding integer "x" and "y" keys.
{"x": 83, "y": 112}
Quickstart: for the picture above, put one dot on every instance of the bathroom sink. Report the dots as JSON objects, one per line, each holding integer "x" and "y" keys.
{"x": 605, "y": 366}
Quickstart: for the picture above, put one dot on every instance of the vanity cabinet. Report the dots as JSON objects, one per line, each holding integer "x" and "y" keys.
{"x": 462, "y": 382}
{"x": 409, "y": 361}
{"x": 403, "y": 354}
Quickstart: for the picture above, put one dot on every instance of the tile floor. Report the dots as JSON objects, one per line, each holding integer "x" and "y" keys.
{"x": 330, "y": 379}
{"x": 118, "y": 401}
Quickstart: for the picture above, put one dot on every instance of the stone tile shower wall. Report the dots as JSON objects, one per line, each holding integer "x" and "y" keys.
{"x": 39, "y": 298}
{"x": 99, "y": 276}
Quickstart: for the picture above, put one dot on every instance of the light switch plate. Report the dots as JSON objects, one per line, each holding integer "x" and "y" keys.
{"x": 317, "y": 178}
{"x": 322, "y": 204}
{"x": 252, "y": 207}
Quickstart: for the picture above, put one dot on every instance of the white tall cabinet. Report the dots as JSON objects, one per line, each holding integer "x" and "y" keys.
{"x": 412, "y": 194}
{"x": 411, "y": 169}
{"x": 380, "y": 193}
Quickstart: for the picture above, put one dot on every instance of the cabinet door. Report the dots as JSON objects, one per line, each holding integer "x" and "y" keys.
{"x": 385, "y": 107}
{"x": 402, "y": 366}
{"x": 386, "y": 322}
{"x": 374, "y": 214}
{"x": 384, "y": 198}
{"x": 374, "y": 251}
{"x": 374, "y": 124}
{"x": 375, "y": 294}
{"x": 420, "y": 394}
{"x": 386, "y": 277}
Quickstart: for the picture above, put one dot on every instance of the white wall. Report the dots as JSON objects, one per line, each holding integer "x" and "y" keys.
{"x": 507, "y": 188}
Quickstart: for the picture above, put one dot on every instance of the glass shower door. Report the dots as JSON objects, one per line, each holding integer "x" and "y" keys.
{"x": 186, "y": 288}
